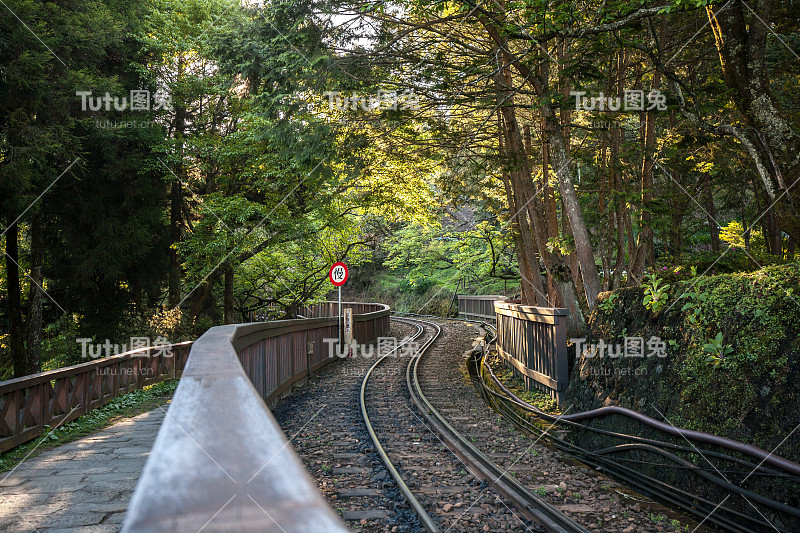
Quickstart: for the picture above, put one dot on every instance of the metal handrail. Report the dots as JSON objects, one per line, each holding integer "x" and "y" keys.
{"x": 728, "y": 517}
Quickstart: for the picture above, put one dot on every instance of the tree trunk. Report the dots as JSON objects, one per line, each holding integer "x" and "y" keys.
{"x": 176, "y": 203}
{"x": 711, "y": 213}
{"x": 742, "y": 45}
{"x": 198, "y": 300}
{"x": 176, "y": 199}
{"x": 772, "y": 233}
{"x": 559, "y": 160}
{"x": 605, "y": 214}
{"x": 526, "y": 289}
{"x": 583, "y": 245}
{"x": 227, "y": 296}
{"x": 16, "y": 332}
{"x": 559, "y": 274}
{"x": 623, "y": 222}
{"x": 644, "y": 246}
{"x": 550, "y": 207}
{"x": 33, "y": 333}
{"x": 576, "y": 320}
{"x": 522, "y": 187}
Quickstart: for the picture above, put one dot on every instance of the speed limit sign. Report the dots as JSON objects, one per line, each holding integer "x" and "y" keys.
{"x": 338, "y": 274}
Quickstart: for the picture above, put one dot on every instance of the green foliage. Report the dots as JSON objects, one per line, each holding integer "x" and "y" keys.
{"x": 103, "y": 218}
{"x": 697, "y": 298}
{"x": 165, "y": 323}
{"x": 689, "y": 265}
{"x": 272, "y": 185}
{"x": 717, "y": 350}
{"x": 59, "y": 348}
{"x": 281, "y": 279}
{"x": 679, "y": 5}
{"x": 744, "y": 324}
{"x": 607, "y": 304}
{"x": 516, "y": 385}
{"x": 434, "y": 252}
{"x": 416, "y": 285}
{"x": 655, "y": 294}
{"x": 733, "y": 234}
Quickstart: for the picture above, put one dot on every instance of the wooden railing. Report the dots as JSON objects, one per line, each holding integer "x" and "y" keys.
{"x": 477, "y": 307}
{"x": 370, "y": 320}
{"x": 277, "y": 355}
{"x": 533, "y": 342}
{"x": 219, "y": 450}
{"x": 29, "y": 403}
{"x": 220, "y": 457}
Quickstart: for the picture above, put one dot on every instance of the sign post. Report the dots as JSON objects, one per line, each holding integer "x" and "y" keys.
{"x": 338, "y": 275}
{"x": 348, "y": 325}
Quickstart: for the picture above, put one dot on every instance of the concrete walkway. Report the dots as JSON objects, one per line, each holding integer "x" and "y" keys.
{"x": 81, "y": 486}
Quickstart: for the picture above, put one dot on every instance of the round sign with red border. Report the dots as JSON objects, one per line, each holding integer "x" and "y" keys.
{"x": 338, "y": 274}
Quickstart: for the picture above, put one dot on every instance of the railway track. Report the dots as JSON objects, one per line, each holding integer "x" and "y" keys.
{"x": 405, "y": 444}
{"x": 724, "y": 511}
{"x": 479, "y": 464}
{"x": 388, "y": 412}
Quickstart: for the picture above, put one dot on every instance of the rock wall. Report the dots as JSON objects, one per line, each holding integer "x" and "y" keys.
{"x": 744, "y": 384}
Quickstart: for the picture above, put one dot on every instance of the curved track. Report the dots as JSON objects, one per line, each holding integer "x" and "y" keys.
{"x": 481, "y": 466}
{"x": 425, "y": 519}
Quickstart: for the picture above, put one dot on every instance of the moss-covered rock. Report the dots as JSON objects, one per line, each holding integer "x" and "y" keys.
{"x": 743, "y": 384}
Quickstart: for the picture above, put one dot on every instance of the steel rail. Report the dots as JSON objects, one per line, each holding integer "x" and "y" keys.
{"x": 427, "y": 521}
{"x": 566, "y": 421}
{"x": 777, "y": 467}
{"x": 533, "y": 507}
{"x": 755, "y": 452}
{"x": 632, "y": 477}
{"x": 635, "y": 479}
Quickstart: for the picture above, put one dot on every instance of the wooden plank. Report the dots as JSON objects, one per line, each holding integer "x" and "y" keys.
{"x": 529, "y": 317}
{"x": 549, "y": 315}
{"x": 532, "y": 342}
{"x": 372, "y": 514}
{"x": 531, "y": 309}
{"x": 358, "y": 493}
{"x": 34, "y": 401}
{"x": 50, "y": 375}
{"x": 534, "y": 375}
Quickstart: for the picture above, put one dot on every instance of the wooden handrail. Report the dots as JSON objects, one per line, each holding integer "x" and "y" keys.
{"x": 219, "y": 453}
{"x": 472, "y": 306}
{"x": 30, "y": 403}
